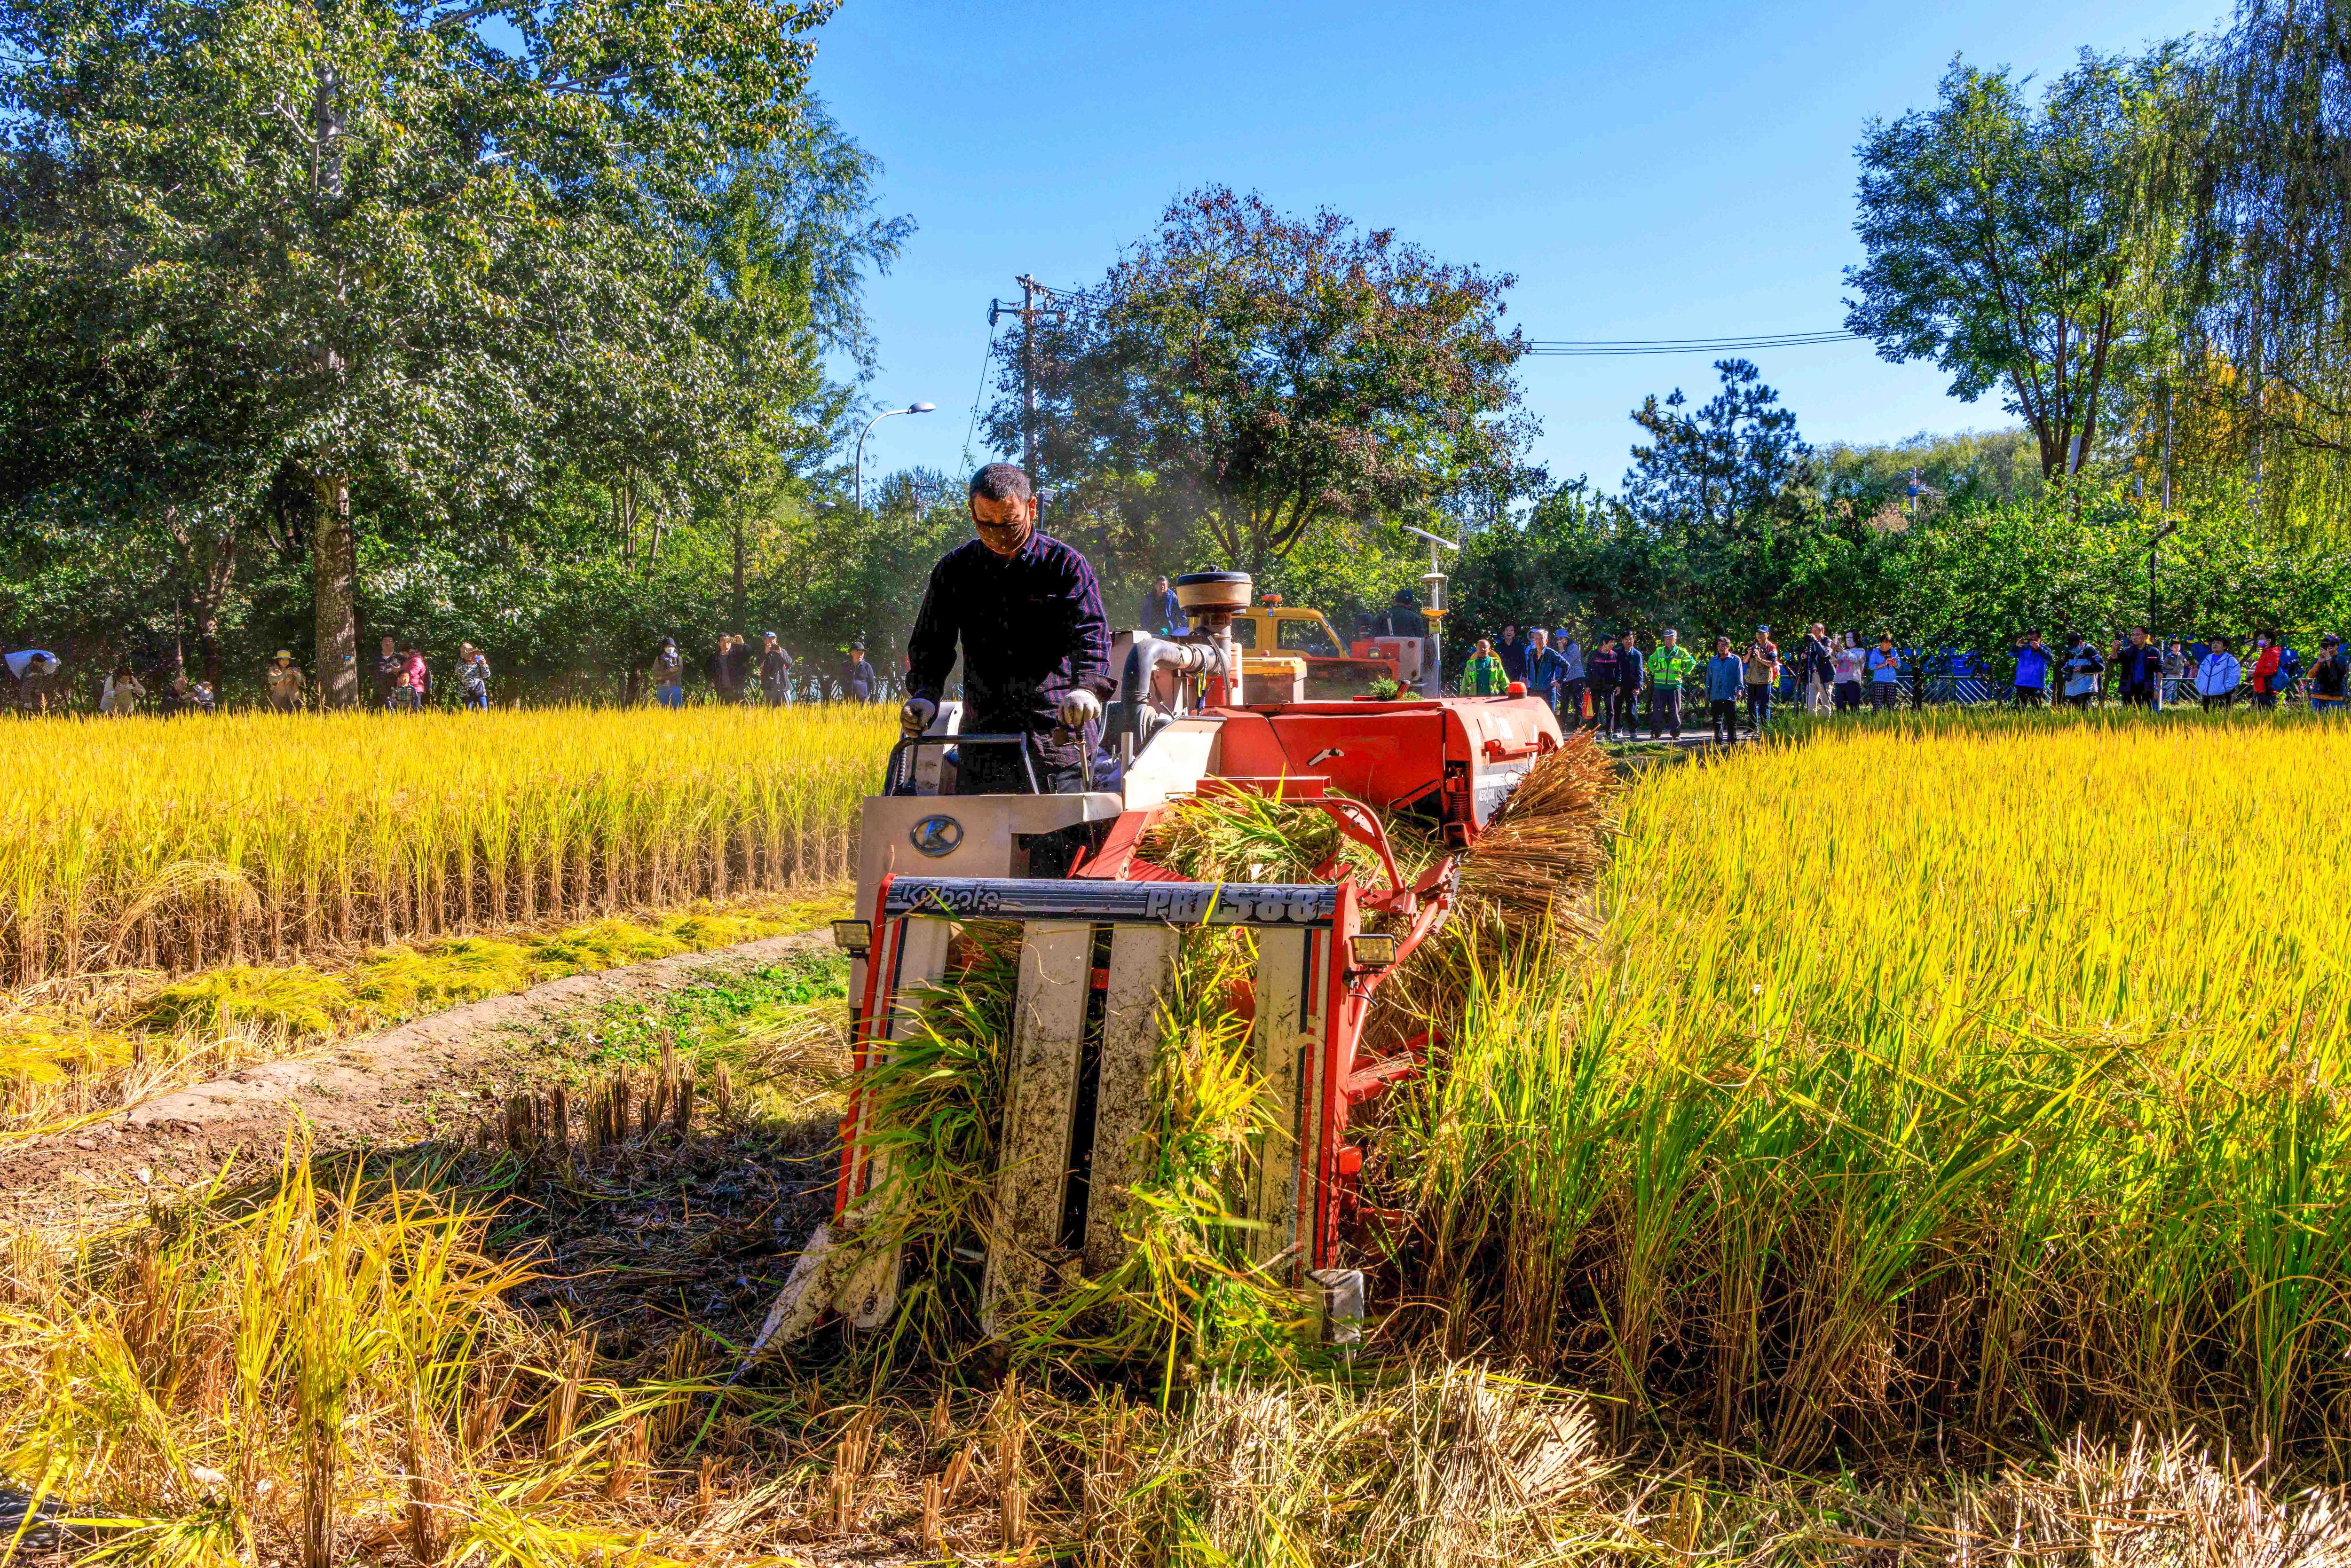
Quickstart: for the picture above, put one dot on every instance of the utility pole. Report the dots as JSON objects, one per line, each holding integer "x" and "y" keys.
{"x": 1029, "y": 375}
{"x": 1028, "y": 311}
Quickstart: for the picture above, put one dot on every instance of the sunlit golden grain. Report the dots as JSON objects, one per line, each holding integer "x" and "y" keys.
{"x": 1954, "y": 1080}
{"x": 179, "y": 843}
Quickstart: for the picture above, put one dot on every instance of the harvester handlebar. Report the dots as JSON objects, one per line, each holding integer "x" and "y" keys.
{"x": 898, "y": 774}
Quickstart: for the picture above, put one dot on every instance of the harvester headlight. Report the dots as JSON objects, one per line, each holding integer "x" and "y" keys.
{"x": 1372, "y": 950}
{"x": 854, "y": 936}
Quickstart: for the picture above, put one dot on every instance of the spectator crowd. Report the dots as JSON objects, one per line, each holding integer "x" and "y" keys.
{"x": 403, "y": 680}
{"x": 1614, "y": 682}
{"x": 1615, "y": 685}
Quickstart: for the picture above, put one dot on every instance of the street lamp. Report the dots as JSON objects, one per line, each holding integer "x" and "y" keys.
{"x": 1433, "y": 679}
{"x": 909, "y": 408}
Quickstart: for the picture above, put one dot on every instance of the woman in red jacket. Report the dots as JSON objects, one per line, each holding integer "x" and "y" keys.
{"x": 2265, "y": 669}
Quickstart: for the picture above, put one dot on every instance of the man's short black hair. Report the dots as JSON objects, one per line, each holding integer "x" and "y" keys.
{"x": 1001, "y": 482}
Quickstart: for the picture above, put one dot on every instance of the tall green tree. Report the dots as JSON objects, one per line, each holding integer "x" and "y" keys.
{"x": 1253, "y": 377}
{"x": 1720, "y": 470}
{"x": 428, "y": 249}
{"x": 2038, "y": 247}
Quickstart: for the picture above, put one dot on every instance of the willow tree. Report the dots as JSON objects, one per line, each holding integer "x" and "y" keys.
{"x": 2277, "y": 230}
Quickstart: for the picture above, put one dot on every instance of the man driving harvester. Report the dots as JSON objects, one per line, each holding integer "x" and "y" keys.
{"x": 1035, "y": 648}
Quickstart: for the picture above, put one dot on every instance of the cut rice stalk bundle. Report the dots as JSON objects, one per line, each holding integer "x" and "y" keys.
{"x": 1233, "y": 836}
{"x": 1532, "y": 871}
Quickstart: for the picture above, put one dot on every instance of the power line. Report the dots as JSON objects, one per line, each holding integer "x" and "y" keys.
{"x": 978, "y": 393}
{"x": 1599, "y": 347}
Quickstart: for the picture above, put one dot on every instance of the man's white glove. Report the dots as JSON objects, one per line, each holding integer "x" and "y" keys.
{"x": 917, "y": 716}
{"x": 1080, "y": 708}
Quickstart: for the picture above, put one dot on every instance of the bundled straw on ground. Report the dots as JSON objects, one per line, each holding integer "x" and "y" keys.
{"x": 180, "y": 843}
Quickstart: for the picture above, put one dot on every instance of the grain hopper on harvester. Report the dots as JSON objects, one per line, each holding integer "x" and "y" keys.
{"x": 1100, "y": 933}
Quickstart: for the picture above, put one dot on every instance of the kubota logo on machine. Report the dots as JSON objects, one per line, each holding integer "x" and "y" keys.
{"x": 1115, "y": 903}
{"x": 936, "y": 836}
{"x": 938, "y": 898}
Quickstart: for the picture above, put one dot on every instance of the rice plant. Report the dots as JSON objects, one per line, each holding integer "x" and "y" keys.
{"x": 177, "y": 845}
{"x": 265, "y": 1380}
{"x": 1958, "y": 1082}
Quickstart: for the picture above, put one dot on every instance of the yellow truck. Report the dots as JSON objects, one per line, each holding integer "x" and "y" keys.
{"x": 1278, "y": 640}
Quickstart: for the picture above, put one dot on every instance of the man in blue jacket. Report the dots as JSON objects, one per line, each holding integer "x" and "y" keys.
{"x": 1162, "y": 612}
{"x": 1546, "y": 671}
{"x": 1726, "y": 682}
{"x": 2033, "y": 663}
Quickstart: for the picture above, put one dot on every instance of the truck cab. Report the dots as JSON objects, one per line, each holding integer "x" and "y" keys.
{"x": 1333, "y": 669}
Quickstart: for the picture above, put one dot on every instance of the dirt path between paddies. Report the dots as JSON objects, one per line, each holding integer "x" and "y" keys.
{"x": 416, "y": 1080}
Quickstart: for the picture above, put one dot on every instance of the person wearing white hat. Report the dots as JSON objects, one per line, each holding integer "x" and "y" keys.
{"x": 284, "y": 680}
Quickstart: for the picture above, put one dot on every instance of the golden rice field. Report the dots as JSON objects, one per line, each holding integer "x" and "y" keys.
{"x": 177, "y": 844}
{"x": 1938, "y": 1088}
{"x": 1941, "y": 1154}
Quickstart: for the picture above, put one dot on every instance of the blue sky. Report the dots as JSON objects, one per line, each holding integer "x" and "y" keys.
{"x": 1672, "y": 170}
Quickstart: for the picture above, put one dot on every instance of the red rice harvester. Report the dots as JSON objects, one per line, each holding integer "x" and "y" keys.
{"x": 1101, "y": 934}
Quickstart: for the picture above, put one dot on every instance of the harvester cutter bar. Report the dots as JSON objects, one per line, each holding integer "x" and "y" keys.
{"x": 1096, "y": 956}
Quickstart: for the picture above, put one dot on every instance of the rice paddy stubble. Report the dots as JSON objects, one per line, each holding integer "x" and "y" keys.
{"x": 1961, "y": 1082}
{"x": 178, "y": 843}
